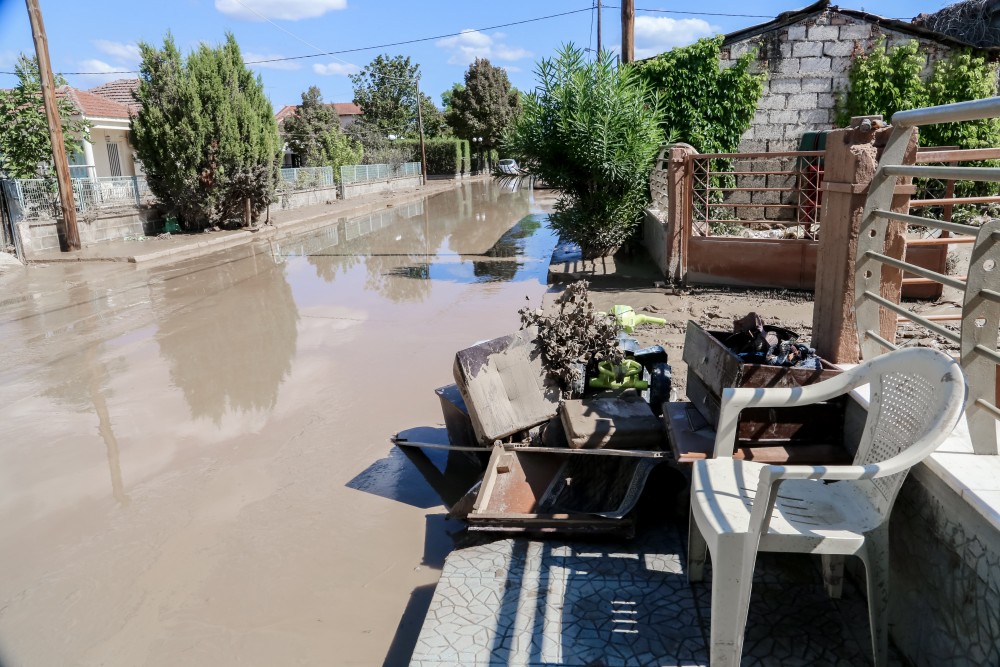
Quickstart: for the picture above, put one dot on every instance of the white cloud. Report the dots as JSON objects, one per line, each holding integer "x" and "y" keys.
{"x": 471, "y": 44}
{"x": 118, "y": 50}
{"x": 285, "y": 10}
{"x": 656, "y": 34}
{"x": 336, "y": 69}
{"x": 102, "y": 71}
{"x": 253, "y": 60}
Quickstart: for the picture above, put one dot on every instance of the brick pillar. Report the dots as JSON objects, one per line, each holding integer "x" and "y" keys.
{"x": 851, "y": 159}
{"x": 679, "y": 212}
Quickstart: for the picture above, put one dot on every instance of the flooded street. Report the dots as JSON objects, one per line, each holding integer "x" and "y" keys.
{"x": 195, "y": 460}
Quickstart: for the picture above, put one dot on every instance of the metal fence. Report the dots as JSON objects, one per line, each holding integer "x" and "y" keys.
{"x": 306, "y": 178}
{"x": 976, "y": 337}
{"x": 363, "y": 173}
{"x": 36, "y": 199}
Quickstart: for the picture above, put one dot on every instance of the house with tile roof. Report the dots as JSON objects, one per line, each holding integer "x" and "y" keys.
{"x": 107, "y": 151}
{"x": 348, "y": 112}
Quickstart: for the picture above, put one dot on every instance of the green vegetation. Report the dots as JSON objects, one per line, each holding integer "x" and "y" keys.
{"x": 25, "y": 147}
{"x": 386, "y": 91}
{"x": 486, "y": 106}
{"x": 888, "y": 80}
{"x": 591, "y": 130}
{"x": 885, "y": 81}
{"x": 703, "y": 104}
{"x": 444, "y": 156}
{"x": 313, "y": 133}
{"x": 205, "y": 132}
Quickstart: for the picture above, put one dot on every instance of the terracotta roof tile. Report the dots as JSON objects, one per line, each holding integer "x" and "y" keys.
{"x": 121, "y": 91}
{"x": 94, "y": 106}
{"x": 342, "y": 109}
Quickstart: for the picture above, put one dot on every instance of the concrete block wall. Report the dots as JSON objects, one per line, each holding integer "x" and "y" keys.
{"x": 358, "y": 189}
{"x": 41, "y": 235}
{"x": 806, "y": 66}
{"x": 300, "y": 198}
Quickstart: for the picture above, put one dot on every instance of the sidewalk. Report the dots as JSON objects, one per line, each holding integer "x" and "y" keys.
{"x": 282, "y": 223}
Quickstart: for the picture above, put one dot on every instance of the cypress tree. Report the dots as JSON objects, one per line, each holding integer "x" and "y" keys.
{"x": 205, "y": 132}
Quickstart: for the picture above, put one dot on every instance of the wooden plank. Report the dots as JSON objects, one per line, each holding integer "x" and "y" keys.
{"x": 691, "y": 443}
{"x": 925, "y": 156}
{"x": 706, "y": 357}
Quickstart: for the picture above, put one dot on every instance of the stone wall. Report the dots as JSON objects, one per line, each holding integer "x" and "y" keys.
{"x": 806, "y": 65}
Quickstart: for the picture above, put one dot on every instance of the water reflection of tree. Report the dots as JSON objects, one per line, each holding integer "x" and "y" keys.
{"x": 499, "y": 210}
{"x": 229, "y": 333}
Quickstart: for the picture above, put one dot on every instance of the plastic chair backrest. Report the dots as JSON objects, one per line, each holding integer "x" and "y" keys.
{"x": 916, "y": 397}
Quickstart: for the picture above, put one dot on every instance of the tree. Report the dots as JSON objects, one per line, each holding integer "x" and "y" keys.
{"x": 24, "y": 133}
{"x": 703, "y": 104}
{"x": 448, "y": 95}
{"x": 485, "y": 106}
{"x": 590, "y": 130}
{"x": 314, "y": 134}
{"x": 435, "y": 125}
{"x": 386, "y": 91}
{"x": 205, "y": 132}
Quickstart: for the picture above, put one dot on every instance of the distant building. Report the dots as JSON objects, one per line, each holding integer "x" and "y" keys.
{"x": 348, "y": 112}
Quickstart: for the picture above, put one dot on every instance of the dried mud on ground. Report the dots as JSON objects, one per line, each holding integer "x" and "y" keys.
{"x": 713, "y": 308}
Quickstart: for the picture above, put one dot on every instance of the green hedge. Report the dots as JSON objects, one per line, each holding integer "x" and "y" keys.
{"x": 444, "y": 156}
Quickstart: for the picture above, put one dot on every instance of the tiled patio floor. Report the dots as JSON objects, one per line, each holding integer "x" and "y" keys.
{"x": 540, "y": 603}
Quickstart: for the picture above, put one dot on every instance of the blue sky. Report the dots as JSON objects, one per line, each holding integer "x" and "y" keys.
{"x": 101, "y": 36}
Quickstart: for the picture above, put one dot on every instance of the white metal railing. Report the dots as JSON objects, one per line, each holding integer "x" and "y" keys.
{"x": 38, "y": 198}
{"x": 364, "y": 173}
{"x": 306, "y": 178}
{"x": 980, "y": 318}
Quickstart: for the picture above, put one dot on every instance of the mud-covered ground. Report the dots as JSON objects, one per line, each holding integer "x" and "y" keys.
{"x": 712, "y": 308}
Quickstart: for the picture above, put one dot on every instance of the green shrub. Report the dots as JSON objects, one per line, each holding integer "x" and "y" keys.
{"x": 444, "y": 156}
{"x": 703, "y": 104}
{"x": 590, "y": 130}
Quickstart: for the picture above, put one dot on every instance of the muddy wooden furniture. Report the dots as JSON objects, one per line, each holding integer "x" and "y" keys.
{"x": 799, "y": 434}
{"x": 741, "y": 507}
{"x": 504, "y": 386}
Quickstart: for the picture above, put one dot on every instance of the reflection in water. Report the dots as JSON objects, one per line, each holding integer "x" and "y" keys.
{"x": 229, "y": 335}
{"x": 105, "y": 427}
{"x": 476, "y": 233}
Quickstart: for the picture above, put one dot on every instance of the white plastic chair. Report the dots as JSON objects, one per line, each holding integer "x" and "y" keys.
{"x": 916, "y": 397}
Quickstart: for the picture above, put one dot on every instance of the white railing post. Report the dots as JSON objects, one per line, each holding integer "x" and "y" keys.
{"x": 980, "y": 323}
{"x": 871, "y": 238}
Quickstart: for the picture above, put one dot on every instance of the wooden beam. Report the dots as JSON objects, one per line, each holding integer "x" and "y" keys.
{"x": 628, "y": 31}
{"x": 55, "y": 126}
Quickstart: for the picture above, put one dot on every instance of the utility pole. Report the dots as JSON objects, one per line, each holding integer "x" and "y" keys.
{"x": 420, "y": 126}
{"x": 628, "y": 31}
{"x": 598, "y": 28}
{"x": 55, "y": 125}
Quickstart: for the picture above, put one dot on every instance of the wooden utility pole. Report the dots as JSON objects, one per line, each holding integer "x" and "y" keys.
{"x": 55, "y": 125}
{"x": 598, "y": 28}
{"x": 628, "y": 31}
{"x": 420, "y": 126}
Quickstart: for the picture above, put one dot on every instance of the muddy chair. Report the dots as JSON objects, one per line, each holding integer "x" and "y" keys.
{"x": 740, "y": 507}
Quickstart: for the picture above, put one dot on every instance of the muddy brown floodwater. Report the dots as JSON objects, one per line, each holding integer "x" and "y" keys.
{"x": 194, "y": 465}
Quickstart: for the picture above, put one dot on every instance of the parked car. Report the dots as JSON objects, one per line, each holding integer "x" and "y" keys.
{"x": 508, "y": 167}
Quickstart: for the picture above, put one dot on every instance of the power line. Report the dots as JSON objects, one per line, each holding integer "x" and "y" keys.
{"x": 362, "y": 48}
